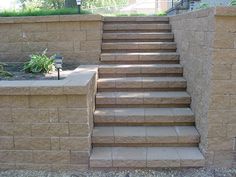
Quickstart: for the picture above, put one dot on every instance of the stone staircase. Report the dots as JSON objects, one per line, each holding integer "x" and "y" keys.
{"x": 143, "y": 116}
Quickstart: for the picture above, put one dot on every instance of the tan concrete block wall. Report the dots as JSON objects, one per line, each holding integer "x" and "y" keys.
{"x": 77, "y": 38}
{"x": 206, "y": 41}
{"x": 46, "y": 131}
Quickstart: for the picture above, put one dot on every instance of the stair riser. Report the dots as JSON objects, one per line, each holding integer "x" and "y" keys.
{"x": 140, "y": 75}
{"x": 128, "y": 122}
{"x": 137, "y": 36}
{"x": 138, "y": 89}
{"x": 129, "y": 144}
{"x": 114, "y": 46}
{"x": 137, "y": 40}
{"x": 137, "y": 100}
{"x": 140, "y": 59}
{"x": 137, "y": 50}
{"x": 146, "y": 70}
{"x": 142, "y": 62}
{"x": 152, "y": 85}
{"x": 137, "y": 27}
{"x": 142, "y": 105}
{"x": 141, "y": 120}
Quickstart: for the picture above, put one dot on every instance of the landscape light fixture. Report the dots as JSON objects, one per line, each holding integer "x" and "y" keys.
{"x": 78, "y": 2}
{"x": 58, "y": 64}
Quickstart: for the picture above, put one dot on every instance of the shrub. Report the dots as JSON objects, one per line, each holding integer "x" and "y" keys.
{"x": 39, "y": 63}
{"x": 203, "y": 6}
{"x": 233, "y": 2}
{"x": 42, "y": 12}
{"x": 4, "y": 73}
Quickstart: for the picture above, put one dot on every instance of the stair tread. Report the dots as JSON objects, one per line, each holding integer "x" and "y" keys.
{"x": 141, "y": 53}
{"x": 142, "y": 79}
{"x": 141, "y": 66}
{"x": 143, "y": 115}
{"x": 142, "y": 82}
{"x": 146, "y": 157}
{"x": 141, "y": 112}
{"x": 147, "y": 94}
{"x": 145, "y": 134}
{"x": 136, "y": 18}
{"x": 135, "y": 27}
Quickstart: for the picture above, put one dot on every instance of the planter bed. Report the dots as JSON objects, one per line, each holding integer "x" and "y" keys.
{"x": 18, "y": 74}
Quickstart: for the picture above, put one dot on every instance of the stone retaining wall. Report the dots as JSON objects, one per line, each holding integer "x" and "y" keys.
{"x": 76, "y": 37}
{"x": 206, "y": 41}
{"x": 47, "y": 124}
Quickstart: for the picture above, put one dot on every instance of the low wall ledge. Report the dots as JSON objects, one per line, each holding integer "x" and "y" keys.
{"x": 225, "y": 11}
{"x": 52, "y": 18}
{"x": 213, "y": 11}
{"x": 77, "y": 82}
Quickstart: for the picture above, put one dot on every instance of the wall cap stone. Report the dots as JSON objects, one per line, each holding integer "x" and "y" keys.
{"x": 225, "y": 11}
{"x": 77, "y": 82}
{"x": 214, "y": 11}
{"x": 52, "y": 18}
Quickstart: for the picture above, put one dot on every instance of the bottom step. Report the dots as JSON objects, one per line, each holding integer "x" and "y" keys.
{"x": 141, "y": 157}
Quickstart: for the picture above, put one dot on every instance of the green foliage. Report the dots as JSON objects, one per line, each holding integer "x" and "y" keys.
{"x": 161, "y": 13}
{"x": 233, "y": 2}
{"x": 42, "y": 4}
{"x": 4, "y": 73}
{"x": 203, "y": 6}
{"x": 39, "y": 63}
{"x": 87, "y": 4}
{"x": 42, "y": 12}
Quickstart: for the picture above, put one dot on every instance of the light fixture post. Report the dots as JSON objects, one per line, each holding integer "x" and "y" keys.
{"x": 78, "y": 2}
{"x": 58, "y": 64}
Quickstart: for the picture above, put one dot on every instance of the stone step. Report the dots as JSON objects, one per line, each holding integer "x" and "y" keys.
{"x": 141, "y": 157}
{"x": 136, "y": 19}
{"x": 139, "y": 36}
{"x": 137, "y": 27}
{"x": 143, "y": 116}
{"x": 139, "y": 46}
{"x": 149, "y": 99}
{"x": 137, "y": 70}
{"x": 144, "y": 135}
{"x": 141, "y": 83}
{"x": 140, "y": 57}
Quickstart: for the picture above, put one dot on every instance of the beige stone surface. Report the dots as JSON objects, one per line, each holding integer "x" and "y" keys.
{"x": 206, "y": 43}
{"x": 45, "y": 126}
{"x": 26, "y": 35}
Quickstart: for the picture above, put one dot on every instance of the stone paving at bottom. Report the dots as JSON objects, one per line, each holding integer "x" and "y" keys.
{"x": 167, "y": 172}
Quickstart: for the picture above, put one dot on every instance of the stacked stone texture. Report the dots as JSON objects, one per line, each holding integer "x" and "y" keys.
{"x": 206, "y": 41}
{"x": 49, "y": 130}
{"x": 77, "y": 38}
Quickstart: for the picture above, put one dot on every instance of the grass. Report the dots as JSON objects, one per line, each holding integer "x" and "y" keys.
{"x": 42, "y": 12}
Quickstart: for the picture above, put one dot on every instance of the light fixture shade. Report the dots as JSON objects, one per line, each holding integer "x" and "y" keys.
{"x": 78, "y": 2}
{"x": 58, "y": 59}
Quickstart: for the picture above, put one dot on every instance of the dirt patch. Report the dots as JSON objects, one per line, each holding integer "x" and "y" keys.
{"x": 19, "y": 74}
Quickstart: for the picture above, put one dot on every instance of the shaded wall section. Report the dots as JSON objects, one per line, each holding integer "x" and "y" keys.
{"x": 76, "y": 37}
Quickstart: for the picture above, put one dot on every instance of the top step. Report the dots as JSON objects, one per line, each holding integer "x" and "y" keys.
{"x": 137, "y": 19}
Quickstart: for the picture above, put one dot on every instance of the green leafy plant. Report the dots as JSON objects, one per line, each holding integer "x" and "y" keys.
{"x": 39, "y": 63}
{"x": 203, "y": 6}
{"x": 4, "y": 73}
{"x": 233, "y": 2}
{"x": 162, "y": 13}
